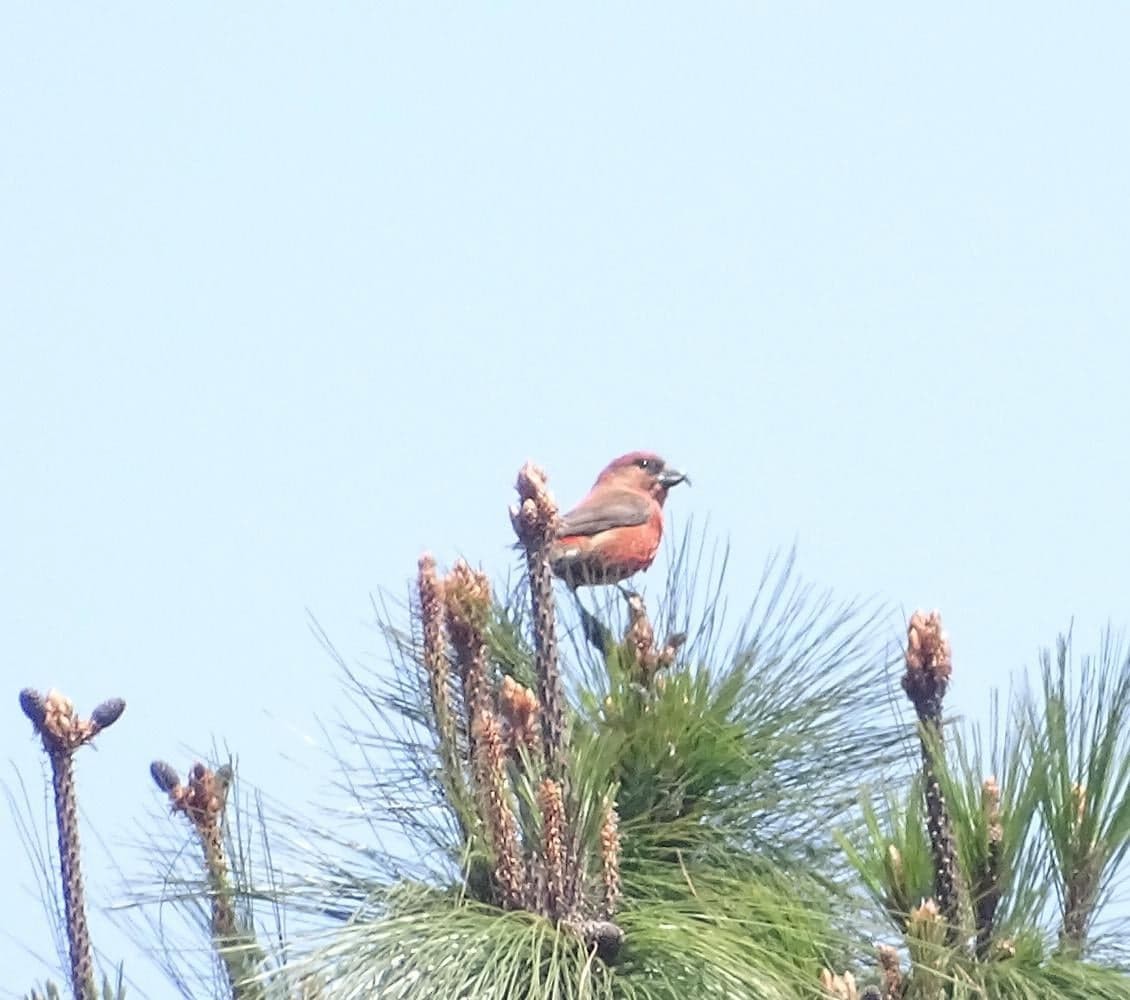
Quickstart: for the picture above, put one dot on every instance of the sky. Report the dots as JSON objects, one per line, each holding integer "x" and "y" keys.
{"x": 288, "y": 293}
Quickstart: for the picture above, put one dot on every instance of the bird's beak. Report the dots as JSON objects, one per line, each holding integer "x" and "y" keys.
{"x": 672, "y": 477}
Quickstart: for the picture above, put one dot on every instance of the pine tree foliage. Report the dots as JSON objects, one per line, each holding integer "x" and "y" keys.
{"x": 541, "y": 795}
{"x": 727, "y": 767}
{"x": 1037, "y": 808}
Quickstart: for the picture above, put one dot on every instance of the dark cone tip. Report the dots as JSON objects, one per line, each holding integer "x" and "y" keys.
{"x": 165, "y": 775}
{"x": 35, "y": 708}
{"x": 107, "y": 713}
{"x": 605, "y": 937}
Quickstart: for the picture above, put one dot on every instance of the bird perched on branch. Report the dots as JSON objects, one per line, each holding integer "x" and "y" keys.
{"x": 615, "y": 531}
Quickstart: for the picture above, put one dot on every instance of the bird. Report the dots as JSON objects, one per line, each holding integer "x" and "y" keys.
{"x": 614, "y": 532}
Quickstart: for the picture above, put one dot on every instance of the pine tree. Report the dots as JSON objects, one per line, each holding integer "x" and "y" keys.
{"x": 552, "y": 801}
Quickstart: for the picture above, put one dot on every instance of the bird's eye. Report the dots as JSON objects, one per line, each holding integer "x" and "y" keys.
{"x": 646, "y": 464}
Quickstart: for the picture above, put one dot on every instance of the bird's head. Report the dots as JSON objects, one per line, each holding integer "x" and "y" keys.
{"x": 644, "y": 471}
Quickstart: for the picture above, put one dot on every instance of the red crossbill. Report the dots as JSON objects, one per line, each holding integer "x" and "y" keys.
{"x": 615, "y": 530}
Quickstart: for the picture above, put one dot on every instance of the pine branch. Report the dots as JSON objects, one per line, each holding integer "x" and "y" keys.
{"x": 62, "y": 733}
{"x": 928, "y": 668}
{"x": 987, "y": 889}
{"x": 535, "y": 521}
{"x": 202, "y": 801}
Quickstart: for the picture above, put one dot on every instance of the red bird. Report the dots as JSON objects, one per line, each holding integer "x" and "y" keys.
{"x": 615, "y": 530}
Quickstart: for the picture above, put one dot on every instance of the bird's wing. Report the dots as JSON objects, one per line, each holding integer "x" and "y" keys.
{"x": 611, "y": 508}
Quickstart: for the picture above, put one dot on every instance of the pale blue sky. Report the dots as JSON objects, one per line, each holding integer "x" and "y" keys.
{"x": 288, "y": 293}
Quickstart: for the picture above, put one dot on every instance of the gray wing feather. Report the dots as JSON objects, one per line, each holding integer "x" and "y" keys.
{"x": 615, "y": 509}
